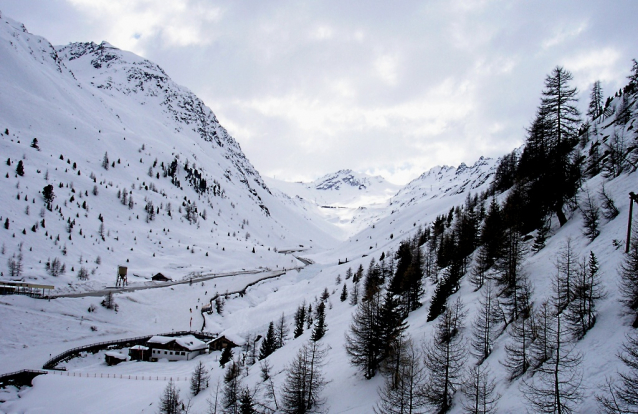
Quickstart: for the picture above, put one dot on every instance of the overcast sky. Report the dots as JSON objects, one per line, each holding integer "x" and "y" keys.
{"x": 389, "y": 88}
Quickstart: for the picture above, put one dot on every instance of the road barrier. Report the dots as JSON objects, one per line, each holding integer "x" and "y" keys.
{"x": 118, "y": 376}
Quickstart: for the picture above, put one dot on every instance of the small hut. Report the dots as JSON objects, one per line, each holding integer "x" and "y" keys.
{"x": 114, "y": 357}
{"x": 220, "y": 343}
{"x": 159, "y": 277}
{"x": 139, "y": 353}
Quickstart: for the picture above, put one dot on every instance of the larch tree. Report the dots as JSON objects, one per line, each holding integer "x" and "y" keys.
{"x": 556, "y": 384}
{"x": 629, "y": 278}
{"x": 518, "y": 354}
{"x": 511, "y": 280}
{"x": 487, "y": 324}
{"x": 595, "y": 108}
{"x": 401, "y": 392}
{"x": 281, "y": 331}
{"x": 622, "y": 397}
{"x": 588, "y": 290}
{"x": 199, "y": 379}
{"x": 444, "y": 359}
{"x": 301, "y": 392}
{"x": 563, "y": 118}
{"x": 479, "y": 390}
{"x": 232, "y": 389}
{"x": 170, "y": 403}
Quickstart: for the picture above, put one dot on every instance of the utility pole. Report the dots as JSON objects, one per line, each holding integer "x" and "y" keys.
{"x": 632, "y": 198}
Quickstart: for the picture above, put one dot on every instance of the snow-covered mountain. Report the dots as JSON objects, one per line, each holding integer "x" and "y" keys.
{"x": 347, "y": 200}
{"x": 444, "y": 181}
{"x": 108, "y": 123}
{"x": 84, "y": 101}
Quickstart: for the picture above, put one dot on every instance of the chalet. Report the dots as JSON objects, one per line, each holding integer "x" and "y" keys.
{"x": 218, "y": 344}
{"x": 114, "y": 357}
{"x": 161, "y": 278}
{"x": 139, "y": 353}
{"x": 178, "y": 348}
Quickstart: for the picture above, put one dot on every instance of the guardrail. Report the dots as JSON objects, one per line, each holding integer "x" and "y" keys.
{"x": 22, "y": 377}
{"x": 139, "y": 340}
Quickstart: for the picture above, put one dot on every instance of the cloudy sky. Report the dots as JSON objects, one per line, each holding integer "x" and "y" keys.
{"x": 388, "y": 88}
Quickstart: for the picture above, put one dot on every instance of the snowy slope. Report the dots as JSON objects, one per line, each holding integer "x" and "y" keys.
{"x": 33, "y": 329}
{"x": 83, "y": 101}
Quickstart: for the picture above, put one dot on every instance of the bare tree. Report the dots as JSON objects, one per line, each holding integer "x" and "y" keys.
{"x": 170, "y": 403}
{"x": 622, "y": 398}
{"x": 232, "y": 388}
{"x": 629, "y": 279}
{"x": 445, "y": 356}
{"x": 479, "y": 391}
{"x": 610, "y": 211}
{"x": 281, "y": 331}
{"x": 518, "y": 357}
{"x": 556, "y": 385}
{"x": 401, "y": 392}
{"x": 199, "y": 379}
{"x": 588, "y": 290}
{"x": 487, "y": 325}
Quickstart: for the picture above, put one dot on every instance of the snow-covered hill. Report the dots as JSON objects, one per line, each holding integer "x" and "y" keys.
{"x": 83, "y": 100}
{"x": 84, "y": 103}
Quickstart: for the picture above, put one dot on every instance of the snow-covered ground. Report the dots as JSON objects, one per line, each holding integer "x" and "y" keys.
{"x": 82, "y": 111}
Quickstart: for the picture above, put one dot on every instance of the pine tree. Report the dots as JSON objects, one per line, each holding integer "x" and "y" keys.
{"x": 591, "y": 217}
{"x": 105, "y": 161}
{"x": 344, "y": 293}
{"x": 363, "y": 343}
{"x": 246, "y": 402}
{"x": 20, "y": 168}
{"x": 48, "y": 195}
{"x": 199, "y": 378}
{"x": 479, "y": 391}
{"x": 487, "y": 324}
{"x": 269, "y": 344}
{"x": 300, "y": 318}
{"x": 227, "y": 355}
{"x": 320, "y": 323}
{"x": 542, "y": 348}
{"x": 445, "y": 356}
{"x": 354, "y": 294}
{"x": 301, "y": 392}
{"x": 170, "y": 402}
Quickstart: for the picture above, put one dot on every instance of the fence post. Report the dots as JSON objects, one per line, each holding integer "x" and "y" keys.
{"x": 632, "y": 198}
